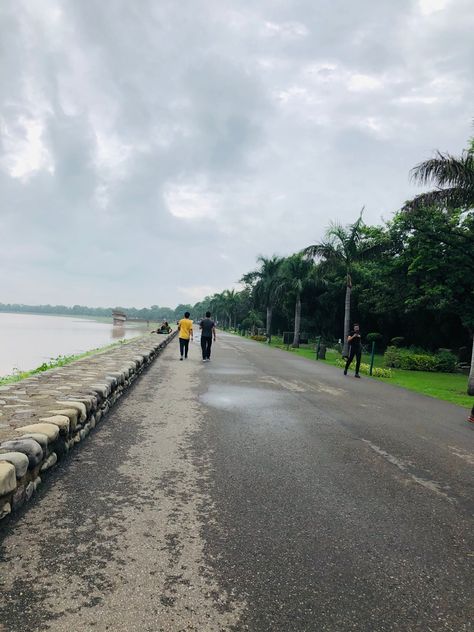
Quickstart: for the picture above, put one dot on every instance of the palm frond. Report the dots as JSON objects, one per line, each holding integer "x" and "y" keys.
{"x": 325, "y": 250}
{"x": 453, "y": 197}
{"x": 445, "y": 170}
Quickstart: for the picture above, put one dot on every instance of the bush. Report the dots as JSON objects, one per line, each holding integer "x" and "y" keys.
{"x": 365, "y": 368}
{"x": 397, "y": 341}
{"x": 416, "y": 360}
{"x": 445, "y": 361}
{"x": 259, "y": 338}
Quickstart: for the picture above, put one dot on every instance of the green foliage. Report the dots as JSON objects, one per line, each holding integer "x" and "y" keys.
{"x": 365, "y": 368}
{"x": 446, "y": 361}
{"x": 252, "y": 321}
{"x": 153, "y": 313}
{"x": 413, "y": 360}
{"x": 397, "y": 341}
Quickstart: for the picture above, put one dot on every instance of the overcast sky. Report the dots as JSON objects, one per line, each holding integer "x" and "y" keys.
{"x": 152, "y": 149}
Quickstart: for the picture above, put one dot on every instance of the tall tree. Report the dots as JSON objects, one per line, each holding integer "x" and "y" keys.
{"x": 341, "y": 249}
{"x": 297, "y": 273}
{"x": 454, "y": 180}
{"x": 266, "y": 282}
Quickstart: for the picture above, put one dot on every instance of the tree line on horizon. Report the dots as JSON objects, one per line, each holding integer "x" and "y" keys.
{"x": 411, "y": 278}
{"x": 153, "y": 313}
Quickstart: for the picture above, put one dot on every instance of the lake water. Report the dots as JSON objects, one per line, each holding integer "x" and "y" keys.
{"x": 27, "y": 340}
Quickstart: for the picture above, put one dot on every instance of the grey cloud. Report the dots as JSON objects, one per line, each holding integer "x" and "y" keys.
{"x": 175, "y": 134}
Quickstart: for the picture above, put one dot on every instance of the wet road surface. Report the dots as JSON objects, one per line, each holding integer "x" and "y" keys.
{"x": 258, "y": 492}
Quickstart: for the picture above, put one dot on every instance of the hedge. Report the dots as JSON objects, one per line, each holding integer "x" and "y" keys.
{"x": 412, "y": 360}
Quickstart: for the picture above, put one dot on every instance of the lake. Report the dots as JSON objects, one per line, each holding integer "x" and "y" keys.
{"x": 28, "y": 340}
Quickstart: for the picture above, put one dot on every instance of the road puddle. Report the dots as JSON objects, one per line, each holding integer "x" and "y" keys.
{"x": 239, "y": 397}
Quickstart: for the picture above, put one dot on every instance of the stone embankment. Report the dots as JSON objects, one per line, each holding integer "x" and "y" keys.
{"x": 45, "y": 416}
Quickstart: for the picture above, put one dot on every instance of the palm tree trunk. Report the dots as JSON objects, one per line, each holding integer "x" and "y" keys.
{"x": 296, "y": 338}
{"x": 470, "y": 384}
{"x": 347, "y": 318}
{"x": 269, "y": 323}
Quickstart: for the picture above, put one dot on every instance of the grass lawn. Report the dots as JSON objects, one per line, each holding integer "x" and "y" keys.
{"x": 450, "y": 387}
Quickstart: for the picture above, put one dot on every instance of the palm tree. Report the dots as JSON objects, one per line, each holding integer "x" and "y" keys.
{"x": 219, "y": 307}
{"x": 231, "y": 299}
{"x": 342, "y": 248}
{"x": 296, "y": 272}
{"x": 454, "y": 181}
{"x": 453, "y": 178}
{"x": 267, "y": 284}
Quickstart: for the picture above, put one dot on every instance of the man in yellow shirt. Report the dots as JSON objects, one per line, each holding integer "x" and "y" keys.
{"x": 185, "y": 329}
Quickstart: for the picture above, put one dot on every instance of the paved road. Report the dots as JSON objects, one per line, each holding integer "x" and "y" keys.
{"x": 258, "y": 492}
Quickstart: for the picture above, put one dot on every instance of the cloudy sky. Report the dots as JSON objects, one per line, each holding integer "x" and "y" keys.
{"x": 150, "y": 150}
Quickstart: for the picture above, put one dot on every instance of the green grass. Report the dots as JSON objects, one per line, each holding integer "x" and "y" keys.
{"x": 450, "y": 387}
{"x": 57, "y": 362}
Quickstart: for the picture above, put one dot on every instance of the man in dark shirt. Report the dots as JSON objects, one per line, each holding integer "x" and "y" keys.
{"x": 208, "y": 333}
{"x": 355, "y": 349}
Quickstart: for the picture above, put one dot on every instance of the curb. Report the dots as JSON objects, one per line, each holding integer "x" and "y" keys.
{"x": 43, "y": 417}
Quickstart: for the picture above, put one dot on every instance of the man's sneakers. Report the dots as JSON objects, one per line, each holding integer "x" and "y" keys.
{"x": 345, "y": 372}
{"x": 181, "y": 357}
{"x": 357, "y": 375}
{"x": 471, "y": 419}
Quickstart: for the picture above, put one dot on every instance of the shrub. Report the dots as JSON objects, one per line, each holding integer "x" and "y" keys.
{"x": 390, "y": 357}
{"x": 365, "y": 368}
{"x": 445, "y": 361}
{"x": 259, "y": 338}
{"x": 397, "y": 341}
{"x": 419, "y": 360}
{"x": 409, "y": 360}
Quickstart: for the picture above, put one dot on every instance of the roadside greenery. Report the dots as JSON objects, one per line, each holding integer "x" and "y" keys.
{"x": 409, "y": 281}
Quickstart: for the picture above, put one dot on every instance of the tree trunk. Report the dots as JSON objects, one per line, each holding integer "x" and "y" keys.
{"x": 269, "y": 323}
{"x": 347, "y": 318}
{"x": 296, "y": 338}
{"x": 470, "y": 384}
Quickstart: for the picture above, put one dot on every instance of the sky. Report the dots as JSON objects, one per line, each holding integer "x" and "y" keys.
{"x": 151, "y": 150}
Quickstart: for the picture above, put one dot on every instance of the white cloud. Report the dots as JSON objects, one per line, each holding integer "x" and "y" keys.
{"x": 286, "y": 30}
{"x": 364, "y": 83}
{"x": 427, "y": 7}
{"x": 191, "y": 201}
{"x": 24, "y": 151}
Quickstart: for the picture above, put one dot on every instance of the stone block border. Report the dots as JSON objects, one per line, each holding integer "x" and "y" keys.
{"x": 45, "y": 416}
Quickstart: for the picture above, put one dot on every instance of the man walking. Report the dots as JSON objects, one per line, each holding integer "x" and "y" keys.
{"x": 185, "y": 329}
{"x": 208, "y": 333}
{"x": 355, "y": 349}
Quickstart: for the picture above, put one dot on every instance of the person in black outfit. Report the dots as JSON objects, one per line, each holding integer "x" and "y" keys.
{"x": 208, "y": 333}
{"x": 355, "y": 349}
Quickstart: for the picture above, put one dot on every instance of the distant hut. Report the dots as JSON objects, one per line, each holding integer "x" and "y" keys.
{"x": 119, "y": 317}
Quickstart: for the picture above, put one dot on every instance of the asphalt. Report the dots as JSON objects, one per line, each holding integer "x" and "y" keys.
{"x": 258, "y": 492}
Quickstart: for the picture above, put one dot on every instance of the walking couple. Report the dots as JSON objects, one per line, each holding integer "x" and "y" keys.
{"x": 208, "y": 334}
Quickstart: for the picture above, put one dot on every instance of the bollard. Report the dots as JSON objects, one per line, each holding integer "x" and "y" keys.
{"x": 372, "y": 357}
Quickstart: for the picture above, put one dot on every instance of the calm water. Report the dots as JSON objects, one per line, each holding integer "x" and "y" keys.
{"x": 26, "y": 340}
